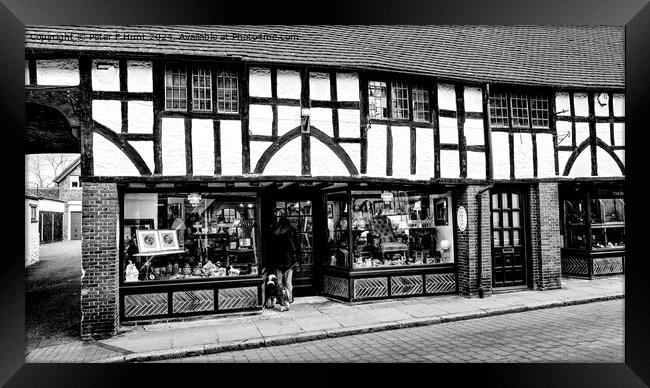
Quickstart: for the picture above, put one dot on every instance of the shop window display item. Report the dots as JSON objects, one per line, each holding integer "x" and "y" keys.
{"x": 148, "y": 241}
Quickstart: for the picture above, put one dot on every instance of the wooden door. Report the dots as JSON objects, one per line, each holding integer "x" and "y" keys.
{"x": 509, "y": 253}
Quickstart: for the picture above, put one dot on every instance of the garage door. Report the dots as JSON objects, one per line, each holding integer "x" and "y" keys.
{"x": 75, "y": 225}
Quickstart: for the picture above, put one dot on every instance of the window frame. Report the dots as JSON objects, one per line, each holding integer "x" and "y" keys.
{"x": 33, "y": 213}
{"x": 75, "y": 179}
{"x": 411, "y": 83}
{"x": 529, "y": 94}
{"x": 214, "y": 69}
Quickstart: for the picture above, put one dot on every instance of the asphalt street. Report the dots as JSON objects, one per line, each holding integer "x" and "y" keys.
{"x": 581, "y": 333}
{"x": 52, "y": 288}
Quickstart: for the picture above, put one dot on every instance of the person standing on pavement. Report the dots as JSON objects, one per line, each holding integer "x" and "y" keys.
{"x": 284, "y": 258}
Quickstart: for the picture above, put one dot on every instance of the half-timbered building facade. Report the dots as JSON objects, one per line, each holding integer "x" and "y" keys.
{"x": 411, "y": 160}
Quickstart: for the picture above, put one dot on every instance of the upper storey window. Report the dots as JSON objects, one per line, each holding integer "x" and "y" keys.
{"x": 202, "y": 85}
{"x": 407, "y": 101}
{"x": 519, "y": 110}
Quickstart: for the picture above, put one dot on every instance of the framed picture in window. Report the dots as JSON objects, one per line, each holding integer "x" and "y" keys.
{"x": 148, "y": 241}
{"x": 441, "y": 213}
{"x": 168, "y": 240}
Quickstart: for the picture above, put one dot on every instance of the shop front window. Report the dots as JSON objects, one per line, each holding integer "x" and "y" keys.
{"x": 607, "y": 223}
{"x": 299, "y": 215}
{"x": 186, "y": 236}
{"x": 338, "y": 230}
{"x": 400, "y": 228}
{"x": 575, "y": 216}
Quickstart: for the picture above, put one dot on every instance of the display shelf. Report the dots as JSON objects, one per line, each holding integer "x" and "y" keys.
{"x": 160, "y": 253}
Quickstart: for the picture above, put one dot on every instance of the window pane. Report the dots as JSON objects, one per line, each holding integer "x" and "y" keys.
{"x": 201, "y": 87}
{"x": 504, "y": 201}
{"x": 496, "y": 238}
{"x": 495, "y": 201}
{"x": 506, "y": 238}
{"x": 420, "y": 99}
{"x": 539, "y": 111}
{"x": 515, "y": 201}
{"x": 515, "y": 237}
{"x": 227, "y": 92}
{"x": 377, "y": 100}
{"x": 400, "y": 100}
{"x": 519, "y": 104}
{"x": 515, "y": 220}
{"x": 506, "y": 220}
{"x": 495, "y": 220}
{"x": 175, "y": 88}
{"x": 499, "y": 110}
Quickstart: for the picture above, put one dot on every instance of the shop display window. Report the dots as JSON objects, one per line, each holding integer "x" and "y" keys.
{"x": 400, "y": 228}
{"x": 603, "y": 229}
{"x": 299, "y": 215}
{"x": 186, "y": 236}
{"x": 338, "y": 230}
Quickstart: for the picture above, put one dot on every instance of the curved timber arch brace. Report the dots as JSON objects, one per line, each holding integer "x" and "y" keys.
{"x": 123, "y": 145}
{"x": 315, "y": 132}
{"x": 583, "y": 146}
{"x": 49, "y": 130}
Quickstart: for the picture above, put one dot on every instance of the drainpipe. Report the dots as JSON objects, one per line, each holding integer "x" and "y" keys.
{"x": 479, "y": 195}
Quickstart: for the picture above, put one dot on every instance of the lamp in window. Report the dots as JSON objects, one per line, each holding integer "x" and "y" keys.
{"x": 444, "y": 247}
{"x": 194, "y": 198}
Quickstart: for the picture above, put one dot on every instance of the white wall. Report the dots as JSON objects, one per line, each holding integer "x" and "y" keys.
{"x": 31, "y": 234}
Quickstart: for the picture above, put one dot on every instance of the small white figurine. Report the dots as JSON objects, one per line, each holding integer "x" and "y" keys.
{"x": 131, "y": 272}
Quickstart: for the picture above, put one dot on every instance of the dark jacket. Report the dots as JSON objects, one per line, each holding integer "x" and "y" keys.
{"x": 284, "y": 250}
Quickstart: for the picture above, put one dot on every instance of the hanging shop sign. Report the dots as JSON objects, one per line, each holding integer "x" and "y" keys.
{"x": 461, "y": 218}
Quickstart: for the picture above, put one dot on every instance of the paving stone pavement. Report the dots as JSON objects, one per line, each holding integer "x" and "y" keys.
{"x": 312, "y": 318}
{"x": 580, "y": 333}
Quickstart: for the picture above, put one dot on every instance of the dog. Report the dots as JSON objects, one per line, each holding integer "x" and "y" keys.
{"x": 277, "y": 296}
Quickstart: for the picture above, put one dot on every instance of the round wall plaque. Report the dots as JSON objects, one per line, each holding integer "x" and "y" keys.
{"x": 461, "y": 218}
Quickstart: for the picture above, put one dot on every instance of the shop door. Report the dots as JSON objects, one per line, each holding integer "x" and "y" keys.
{"x": 75, "y": 225}
{"x": 508, "y": 238}
{"x": 300, "y": 215}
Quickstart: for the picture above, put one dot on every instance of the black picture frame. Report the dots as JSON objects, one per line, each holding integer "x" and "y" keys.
{"x": 441, "y": 212}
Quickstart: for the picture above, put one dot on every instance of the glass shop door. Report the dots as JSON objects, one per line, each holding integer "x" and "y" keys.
{"x": 299, "y": 212}
{"x": 509, "y": 251}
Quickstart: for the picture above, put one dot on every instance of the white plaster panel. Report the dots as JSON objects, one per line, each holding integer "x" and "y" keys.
{"x": 601, "y": 110}
{"x": 231, "y": 147}
{"x": 349, "y": 123}
{"x": 108, "y": 160}
{"x": 401, "y": 152}
{"x": 257, "y": 148}
{"x": 354, "y": 152}
{"x": 287, "y": 161}
{"x": 108, "y": 113}
{"x": 319, "y": 86}
{"x": 321, "y": 118}
{"x": 619, "y": 105}
{"x": 289, "y": 85}
{"x": 347, "y": 87}
{"x": 449, "y": 164}
{"x": 473, "y": 99}
{"x": 619, "y": 134}
{"x": 145, "y": 149}
{"x": 582, "y": 132}
{"x": 545, "y": 156}
{"x": 288, "y": 118}
{"x": 562, "y": 158}
{"x": 523, "y": 155}
{"x": 621, "y": 155}
{"x": 139, "y": 77}
{"x": 64, "y": 72}
{"x": 606, "y": 164}
{"x": 376, "y": 150}
{"x": 581, "y": 104}
{"x": 260, "y": 120}
{"x": 324, "y": 162}
{"x": 602, "y": 132}
{"x": 140, "y": 117}
{"x": 446, "y": 97}
{"x": 474, "y": 134}
{"x": 501, "y": 155}
{"x": 107, "y": 78}
{"x": 173, "y": 146}
{"x": 476, "y": 165}
{"x": 425, "y": 163}
{"x": 48, "y": 205}
{"x": 202, "y": 147}
{"x": 259, "y": 82}
{"x": 582, "y": 165}
{"x": 448, "y": 130}
{"x": 562, "y": 104}
{"x": 26, "y": 72}
{"x": 564, "y": 133}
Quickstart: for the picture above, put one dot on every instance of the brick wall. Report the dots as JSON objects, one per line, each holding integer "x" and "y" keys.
{"x": 99, "y": 261}
{"x": 468, "y": 242}
{"x": 545, "y": 235}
